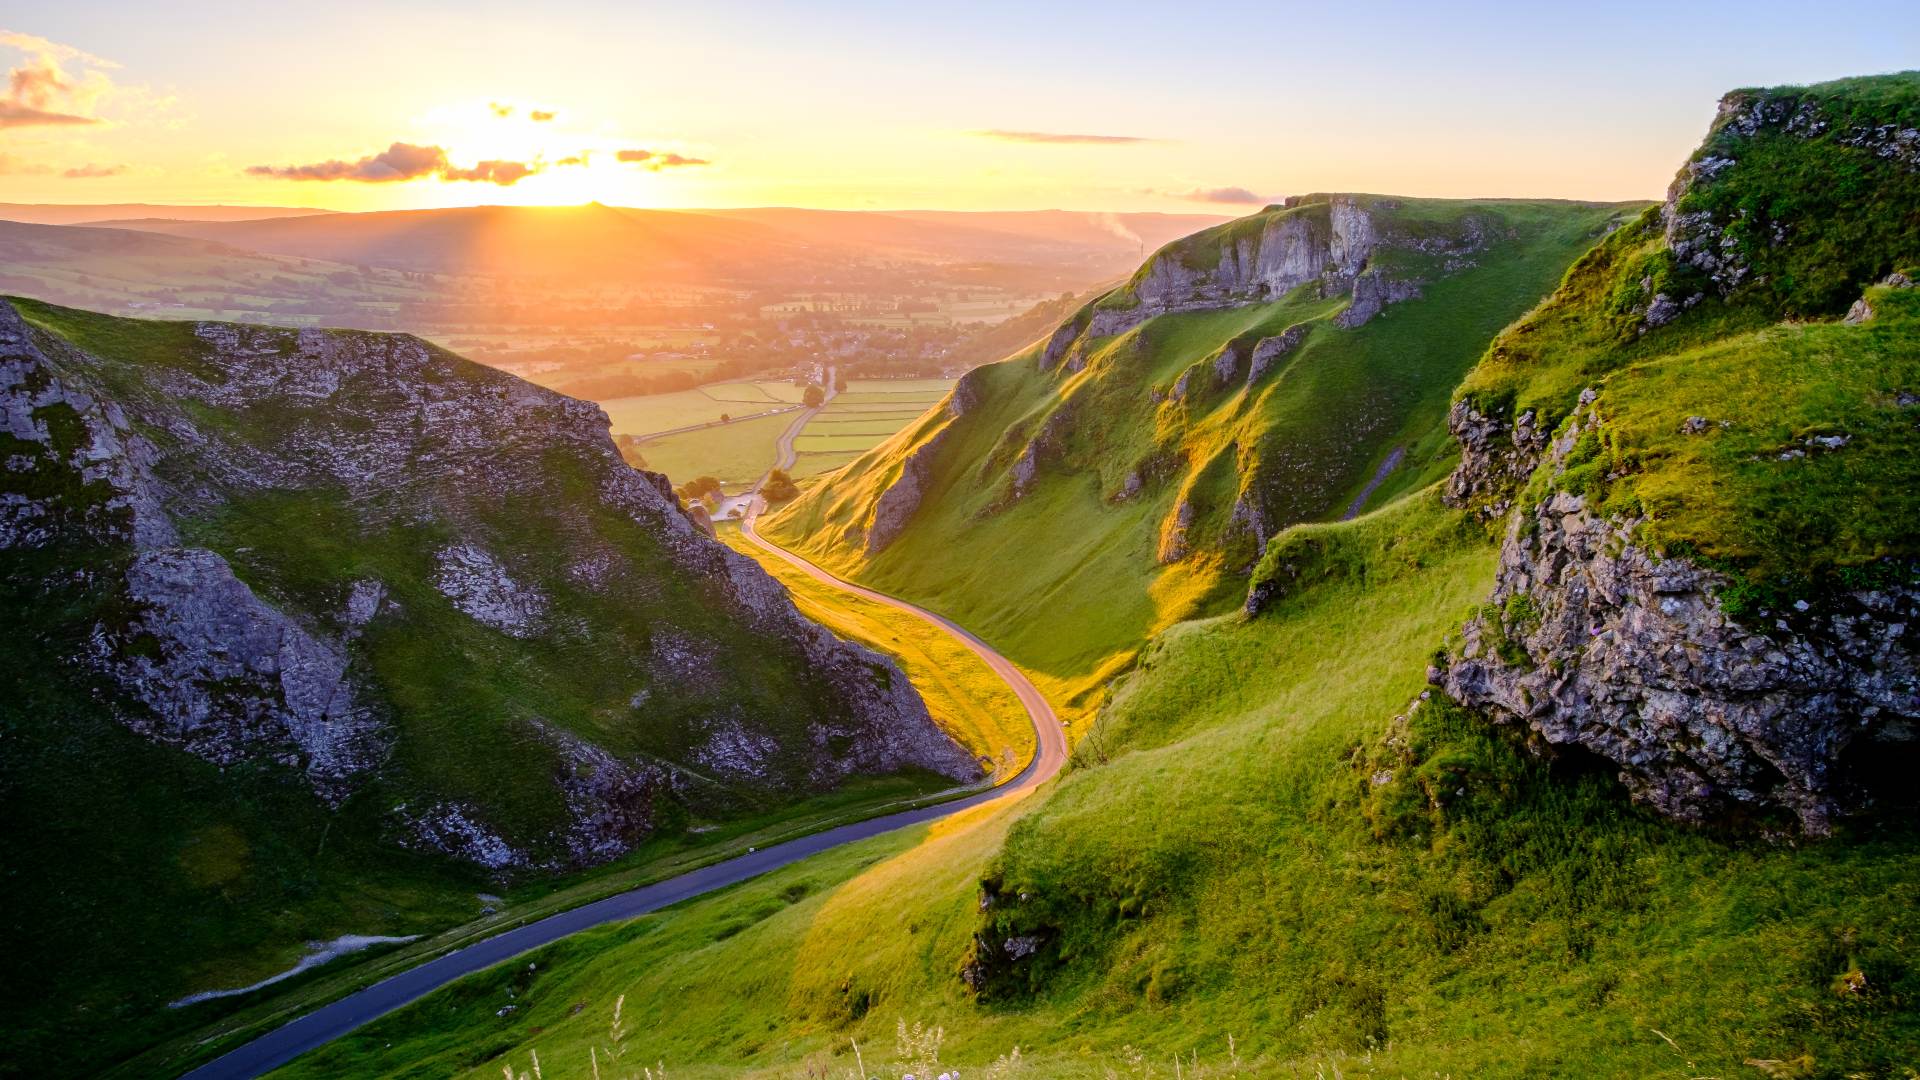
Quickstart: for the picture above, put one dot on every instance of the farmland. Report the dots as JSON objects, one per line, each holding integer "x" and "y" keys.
{"x": 736, "y": 454}
{"x": 860, "y": 418}
{"x": 704, "y": 405}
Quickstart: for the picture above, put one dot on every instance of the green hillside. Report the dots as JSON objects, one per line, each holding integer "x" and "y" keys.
{"x": 1074, "y": 572}
{"x": 1278, "y": 851}
{"x": 324, "y": 633}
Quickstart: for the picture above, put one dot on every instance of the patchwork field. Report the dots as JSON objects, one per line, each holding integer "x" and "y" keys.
{"x": 736, "y": 454}
{"x": 706, "y": 405}
{"x": 867, "y": 413}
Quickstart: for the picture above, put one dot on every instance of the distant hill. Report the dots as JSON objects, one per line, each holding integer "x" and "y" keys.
{"x": 1114, "y": 240}
{"x": 93, "y": 213}
{"x": 690, "y": 248}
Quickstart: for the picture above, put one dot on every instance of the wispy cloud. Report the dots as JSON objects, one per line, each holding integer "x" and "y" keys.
{"x": 1061, "y": 138}
{"x": 504, "y": 110}
{"x": 15, "y": 115}
{"x": 41, "y": 92}
{"x": 91, "y": 171}
{"x": 657, "y": 160}
{"x": 401, "y": 162}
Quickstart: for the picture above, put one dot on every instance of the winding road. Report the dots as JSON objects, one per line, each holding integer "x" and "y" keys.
{"x": 329, "y": 1022}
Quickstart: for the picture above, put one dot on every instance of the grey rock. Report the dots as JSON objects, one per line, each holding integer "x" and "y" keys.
{"x": 1631, "y": 656}
{"x": 895, "y": 506}
{"x": 480, "y": 586}
{"x": 1268, "y": 351}
{"x": 226, "y": 677}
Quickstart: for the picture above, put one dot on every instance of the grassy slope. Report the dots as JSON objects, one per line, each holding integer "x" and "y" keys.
{"x": 1240, "y": 853}
{"x": 1816, "y": 221}
{"x": 1066, "y": 581}
{"x": 1246, "y": 847}
{"x": 966, "y": 698}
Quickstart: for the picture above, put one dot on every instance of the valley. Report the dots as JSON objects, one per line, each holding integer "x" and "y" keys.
{"x": 655, "y": 557}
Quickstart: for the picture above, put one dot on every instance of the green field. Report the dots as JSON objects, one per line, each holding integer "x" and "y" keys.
{"x": 664, "y": 412}
{"x": 864, "y": 415}
{"x": 821, "y": 462}
{"x": 735, "y": 454}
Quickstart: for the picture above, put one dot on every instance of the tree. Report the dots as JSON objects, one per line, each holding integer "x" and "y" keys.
{"x": 814, "y": 397}
{"x": 779, "y": 487}
{"x": 699, "y": 489}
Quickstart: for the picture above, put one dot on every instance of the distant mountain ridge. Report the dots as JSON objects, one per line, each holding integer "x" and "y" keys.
{"x": 689, "y": 247}
{"x": 97, "y": 213}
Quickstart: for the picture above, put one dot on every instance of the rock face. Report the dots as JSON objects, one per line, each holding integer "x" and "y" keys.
{"x": 227, "y": 677}
{"x": 1495, "y": 458}
{"x": 1332, "y": 247}
{"x": 489, "y": 517}
{"x": 895, "y": 506}
{"x": 1592, "y": 641}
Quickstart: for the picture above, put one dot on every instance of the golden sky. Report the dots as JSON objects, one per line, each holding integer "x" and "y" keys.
{"x": 1109, "y": 106}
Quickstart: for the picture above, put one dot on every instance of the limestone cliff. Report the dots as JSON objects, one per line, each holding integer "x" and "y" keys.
{"x": 364, "y": 561}
{"x": 1701, "y": 472}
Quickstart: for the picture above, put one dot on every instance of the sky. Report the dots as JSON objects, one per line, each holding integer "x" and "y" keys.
{"x": 1112, "y": 105}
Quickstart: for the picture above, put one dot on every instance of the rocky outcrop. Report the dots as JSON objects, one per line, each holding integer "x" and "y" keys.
{"x": 895, "y": 506}
{"x": 1372, "y": 292}
{"x": 1496, "y": 457}
{"x": 1268, "y": 351}
{"x": 236, "y": 655}
{"x": 1048, "y": 445}
{"x": 1724, "y": 240}
{"x": 967, "y": 394}
{"x": 1592, "y": 641}
{"x": 227, "y": 677}
{"x": 1328, "y": 240}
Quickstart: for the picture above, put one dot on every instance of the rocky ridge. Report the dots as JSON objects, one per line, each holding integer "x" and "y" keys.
{"x": 134, "y": 458}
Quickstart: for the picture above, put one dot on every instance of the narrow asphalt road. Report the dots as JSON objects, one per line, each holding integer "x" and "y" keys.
{"x": 783, "y": 458}
{"x": 329, "y": 1022}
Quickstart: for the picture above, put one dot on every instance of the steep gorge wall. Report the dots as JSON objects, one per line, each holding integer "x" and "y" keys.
{"x": 122, "y": 468}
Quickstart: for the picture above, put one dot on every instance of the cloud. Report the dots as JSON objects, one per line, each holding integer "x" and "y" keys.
{"x": 42, "y": 93}
{"x": 401, "y": 162}
{"x": 657, "y": 160}
{"x": 39, "y": 46}
{"x": 15, "y": 115}
{"x": 1061, "y": 138}
{"x": 504, "y": 173}
{"x": 1237, "y": 196}
{"x": 541, "y": 116}
{"x": 90, "y": 171}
